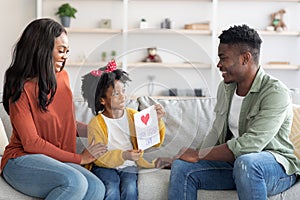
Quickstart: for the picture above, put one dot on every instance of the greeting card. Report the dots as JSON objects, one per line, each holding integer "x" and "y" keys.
{"x": 146, "y": 127}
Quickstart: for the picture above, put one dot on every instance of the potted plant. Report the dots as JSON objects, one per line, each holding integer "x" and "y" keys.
{"x": 66, "y": 12}
{"x": 113, "y": 54}
{"x": 103, "y": 56}
{"x": 143, "y": 23}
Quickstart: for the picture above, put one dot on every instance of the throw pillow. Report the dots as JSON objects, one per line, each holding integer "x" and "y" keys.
{"x": 3, "y": 138}
{"x": 295, "y": 132}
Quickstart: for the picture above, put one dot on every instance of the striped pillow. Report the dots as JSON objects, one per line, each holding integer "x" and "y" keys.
{"x": 295, "y": 133}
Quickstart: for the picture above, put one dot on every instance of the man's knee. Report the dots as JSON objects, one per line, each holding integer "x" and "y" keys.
{"x": 178, "y": 165}
{"x": 246, "y": 166}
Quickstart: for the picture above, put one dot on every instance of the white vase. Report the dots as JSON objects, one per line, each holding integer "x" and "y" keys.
{"x": 143, "y": 25}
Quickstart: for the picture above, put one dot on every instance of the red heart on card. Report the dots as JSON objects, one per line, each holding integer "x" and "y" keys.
{"x": 145, "y": 118}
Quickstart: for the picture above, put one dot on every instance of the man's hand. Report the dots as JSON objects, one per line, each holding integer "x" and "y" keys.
{"x": 189, "y": 155}
{"x": 163, "y": 162}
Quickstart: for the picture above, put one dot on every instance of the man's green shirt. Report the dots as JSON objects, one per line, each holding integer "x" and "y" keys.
{"x": 264, "y": 124}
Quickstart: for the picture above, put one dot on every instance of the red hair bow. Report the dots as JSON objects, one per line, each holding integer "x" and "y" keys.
{"x": 110, "y": 67}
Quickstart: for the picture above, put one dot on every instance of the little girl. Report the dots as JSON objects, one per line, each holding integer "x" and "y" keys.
{"x": 113, "y": 125}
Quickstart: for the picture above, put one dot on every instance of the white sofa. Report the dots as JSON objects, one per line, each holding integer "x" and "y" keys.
{"x": 187, "y": 120}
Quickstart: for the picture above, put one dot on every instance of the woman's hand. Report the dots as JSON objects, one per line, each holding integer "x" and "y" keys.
{"x": 92, "y": 152}
{"x": 160, "y": 111}
{"x": 133, "y": 154}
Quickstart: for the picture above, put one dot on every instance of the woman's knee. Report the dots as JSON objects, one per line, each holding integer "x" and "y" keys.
{"x": 96, "y": 189}
{"x": 76, "y": 181}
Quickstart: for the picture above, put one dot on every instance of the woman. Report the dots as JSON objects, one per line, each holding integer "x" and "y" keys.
{"x": 41, "y": 159}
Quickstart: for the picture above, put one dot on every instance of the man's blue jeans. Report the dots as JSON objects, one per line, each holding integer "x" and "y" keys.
{"x": 119, "y": 183}
{"x": 254, "y": 176}
{"x": 44, "y": 177}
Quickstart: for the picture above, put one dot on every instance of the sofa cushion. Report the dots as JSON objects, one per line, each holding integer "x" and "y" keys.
{"x": 295, "y": 132}
{"x": 3, "y": 138}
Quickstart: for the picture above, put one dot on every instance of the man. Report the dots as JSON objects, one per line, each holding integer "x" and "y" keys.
{"x": 248, "y": 147}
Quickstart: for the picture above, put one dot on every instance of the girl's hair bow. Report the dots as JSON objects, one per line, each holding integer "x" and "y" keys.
{"x": 110, "y": 67}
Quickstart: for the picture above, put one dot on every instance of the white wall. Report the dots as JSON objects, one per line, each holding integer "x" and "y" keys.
{"x": 16, "y": 14}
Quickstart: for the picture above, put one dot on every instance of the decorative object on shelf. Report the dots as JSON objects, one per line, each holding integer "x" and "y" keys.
{"x": 113, "y": 54}
{"x": 197, "y": 92}
{"x": 152, "y": 56}
{"x": 167, "y": 24}
{"x": 150, "y": 84}
{"x": 197, "y": 26}
{"x": 143, "y": 23}
{"x": 66, "y": 12}
{"x": 173, "y": 92}
{"x": 277, "y": 20}
{"x": 103, "y": 56}
{"x": 105, "y": 23}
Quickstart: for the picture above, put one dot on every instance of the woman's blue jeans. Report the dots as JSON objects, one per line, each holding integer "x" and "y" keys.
{"x": 119, "y": 183}
{"x": 255, "y": 176}
{"x": 40, "y": 176}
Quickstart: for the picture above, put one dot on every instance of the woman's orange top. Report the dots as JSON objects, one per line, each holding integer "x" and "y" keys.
{"x": 52, "y": 133}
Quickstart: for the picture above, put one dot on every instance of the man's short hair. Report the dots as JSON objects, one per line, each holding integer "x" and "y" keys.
{"x": 241, "y": 34}
{"x": 244, "y": 36}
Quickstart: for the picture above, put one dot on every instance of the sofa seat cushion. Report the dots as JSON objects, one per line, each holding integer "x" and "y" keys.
{"x": 7, "y": 192}
{"x": 154, "y": 183}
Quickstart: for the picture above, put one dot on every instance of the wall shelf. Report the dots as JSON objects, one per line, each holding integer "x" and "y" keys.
{"x": 138, "y": 31}
{"x": 140, "y": 65}
{"x": 281, "y": 66}
{"x": 276, "y": 33}
{"x": 94, "y": 30}
{"x": 169, "y": 65}
{"x": 176, "y": 45}
{"x": 169, "y": 31}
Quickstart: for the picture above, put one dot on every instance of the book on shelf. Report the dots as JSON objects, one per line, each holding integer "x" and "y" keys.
{"x": 197, "y": 26}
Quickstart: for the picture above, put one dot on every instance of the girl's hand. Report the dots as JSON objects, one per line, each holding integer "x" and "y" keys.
{"x": 133, "y": 154}
{"x": 160, "y": 111}
{"x": 92, "y": 152}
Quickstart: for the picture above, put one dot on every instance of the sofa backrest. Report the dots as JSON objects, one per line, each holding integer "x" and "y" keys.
{"x": 5, "y": 120}
{"x": 187, "y": 121}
